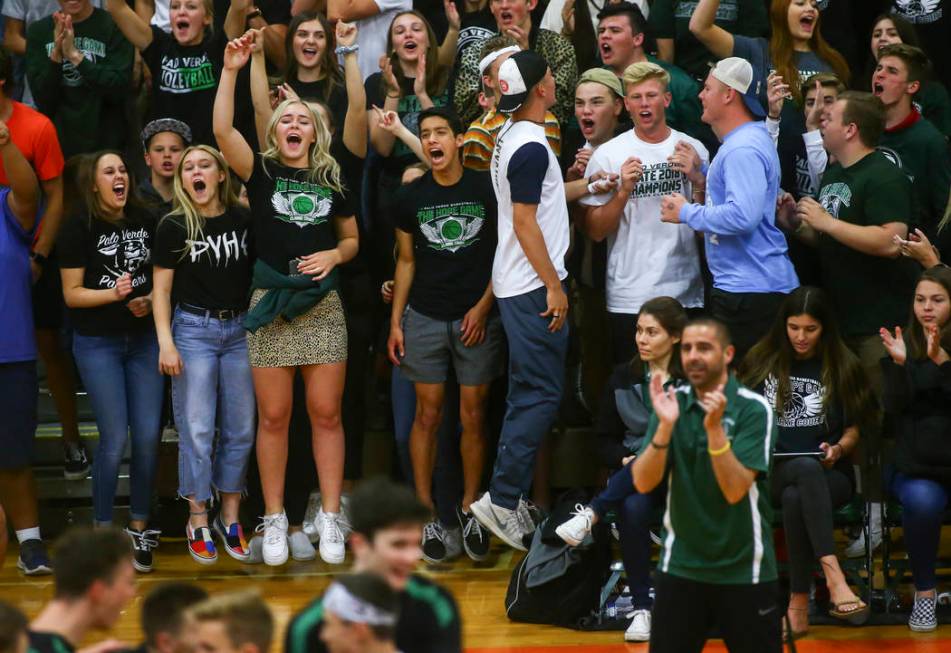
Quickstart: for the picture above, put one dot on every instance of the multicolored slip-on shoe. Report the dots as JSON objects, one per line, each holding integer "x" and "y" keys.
{"x": 233, "y": 540}
{"x": 200, "y": 544}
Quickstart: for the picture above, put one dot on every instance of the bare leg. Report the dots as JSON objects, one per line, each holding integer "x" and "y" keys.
{"x": 472, "y": 446}
{"x": 422, "y": 439}
{"x": 324, "y": 388}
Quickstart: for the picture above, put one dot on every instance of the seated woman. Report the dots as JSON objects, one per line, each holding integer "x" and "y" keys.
{"x": 822, "y": 402}
{"x": 918, "y": 397}
{"x": 622, "y": 422}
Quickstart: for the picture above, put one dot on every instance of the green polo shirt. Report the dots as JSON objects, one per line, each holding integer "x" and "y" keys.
{"x": 705, "y": 539}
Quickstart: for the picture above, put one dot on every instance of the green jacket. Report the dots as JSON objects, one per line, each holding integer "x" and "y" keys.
{"x": 286, "y": 297}
{"x": 85, "y": 102}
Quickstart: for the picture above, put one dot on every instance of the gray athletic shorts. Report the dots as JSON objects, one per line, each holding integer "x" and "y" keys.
{"x": 432, "y": 345}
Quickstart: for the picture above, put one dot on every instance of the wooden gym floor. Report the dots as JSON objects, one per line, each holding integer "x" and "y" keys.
{"x": 479, "y": 590}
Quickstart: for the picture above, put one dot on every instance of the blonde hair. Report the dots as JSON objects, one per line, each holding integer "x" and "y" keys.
{"x": 184, "y": 206}
{"x": 323, "y": 169}
{"x": 644, "y": 70}
{"x": 245, "y": 616}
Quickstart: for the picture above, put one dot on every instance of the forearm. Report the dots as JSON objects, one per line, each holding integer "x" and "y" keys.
{"x": 816, "y": 156}
{"x": 355, "y": 122}
{"x": 447, "y": 50}
{"x": 849, "y": 440}
{"x": 52, "y": 216}
{"x": 145, "y": 9}
{"x": 259, "y": 95}
{"x": 666, "y": 50}
{"x": 873, "y": 240}
{"x": 14, "y": 38}
{"x": 532, "y": 240}
{"x": 402, "y": 281}
{"x": 602, "y": 221}
{"x": 222, "y": 120}
{"x": 81, "y": 297}
{"x": 704, "y": 27}
{"x": 162, "y": 305}
{"x": 651, "y": 464}
{"x": 412, "y": 141}
{"x": 576, "y": 189}
{"x": 131, "y": 24}
{"x": 733, "y": 478}
{"x": 21, "y": 179}
{"x": 274, "y": 36}
{"x": 302, "y": 6}
{"x": 347, "y": 248}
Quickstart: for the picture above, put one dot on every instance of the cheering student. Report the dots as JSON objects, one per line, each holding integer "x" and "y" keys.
{"x": 163, "y": 142}
{"x": 822, "y": 401}
{"x": 360, "y": 615}
{"x": 444, "y": 317}
{"x": 303, "y": 229}
{"x": 105, "y": 261}
{"x": 918, "y": 396}
{"x": 201, "y": 279}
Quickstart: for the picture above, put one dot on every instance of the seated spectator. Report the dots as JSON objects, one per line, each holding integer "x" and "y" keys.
{"x": 93, "y": 582}
{"x": 13, "y": 630}
{"x": 19, "y": 205}
{"x": 821, "y": 400}
{"x": 513, "y": 18}
{"x": 645, "y": 255}
{"x": 163, "y": 617}
{"x": 360, "y": 615}
{"x": 105, "y": 258}
{"x": 932, "y": 99}
{"x": 237, "y": 622}
{"x": 479, "y": 140}
{"x": 80, "y": 66}
{"x": 622, "y": 32}
{"x": 746, "y": 252}
{"x": 670, "y": 24}
{"x": 163, "y": 142}
{"x": 387, "y": 530}
{"x": 622, "y": 422}
{"x": 201, "y": 278}
{"x": 912, "y": 142}
{"x": 917, "y": 396}
{"x": 795, "y": 51}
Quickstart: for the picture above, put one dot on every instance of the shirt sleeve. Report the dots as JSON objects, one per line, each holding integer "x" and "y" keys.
{"x": 169, "y": 244}
{"x": 15, "y": 9}
{"x": 754, "y": 436}
{"x": 343, "y": 205}
{"x": 816, "y": 156}
{"x": 742, "y": 210}
{"x": 402, "y": 208}
{"x": 47, "y": 154}
{"x": 890, "y": 200}
{"x": 526, "y": 173}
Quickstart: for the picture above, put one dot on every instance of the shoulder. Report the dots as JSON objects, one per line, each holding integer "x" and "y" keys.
{"x": 434, "y": 598}
{"x": 302, "y": 626}
{"x": 752, "y": 405}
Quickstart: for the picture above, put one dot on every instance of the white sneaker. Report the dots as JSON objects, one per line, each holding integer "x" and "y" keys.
{"x": 577, "y": 528}
{"x": 505, "y": 524}
{"x": 856, "y": 548}
{"x": 332, "y": 548}
{"x": 274, "y": 550}
{"x": 301, "y": 548}
{"x": 640, "y": 628}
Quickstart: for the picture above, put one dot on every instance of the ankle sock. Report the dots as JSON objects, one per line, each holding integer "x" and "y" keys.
{"x": 28, "y": 534}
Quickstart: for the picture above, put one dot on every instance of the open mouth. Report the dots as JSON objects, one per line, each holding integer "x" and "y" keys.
{"x": 506, "y": 16}
{"x": 309, "y": 52}
{"x": 168, "y": 166}
{"x": 587, "y": 125}
{"x": 182, "y": 24}
{"x": 199, "y": 186}
{"x": 606, "y": 50}
{"x": 645, "y": 115}
{"x": 436, "y": 155}
{"x": 410, "y": 46}
{"x": 118, "y": 189}
{"x": 877, "y": 89}
{"x": 294, "y": 139}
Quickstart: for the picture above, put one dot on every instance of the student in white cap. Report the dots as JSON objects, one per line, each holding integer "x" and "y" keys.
{"x": 746, "y": 251}
{"x": 528, "y": 280}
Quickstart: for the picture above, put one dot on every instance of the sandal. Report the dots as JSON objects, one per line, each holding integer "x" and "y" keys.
{"x": 854, "y": 611}
{"x": 790, "y": 635}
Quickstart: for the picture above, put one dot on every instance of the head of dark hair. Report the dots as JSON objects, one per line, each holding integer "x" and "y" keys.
{"x": 446, "y": 114}
{"x": 914, "y": 333}
{"x": 867, "y": 113}
{"x": 672, "y": 318}
{"x": 721, "y": 329}
{"x": 86, "y": 181}
{"x": 842, "y": 373}
{"x": 13, "y": 625}
{"x": 84, "y": 555}
{"x": 906, "y": 31}
{"x": 629, "y": 9}
{"x": 915, "y": 60}
{"x": 163, "y": 610}
{"x": 328, "y": 60}
{"x": 378, "y": 503}
{"x": 371, "y": 588}
{"x": 826, "y": 80}
{"x": 6, "y": 71}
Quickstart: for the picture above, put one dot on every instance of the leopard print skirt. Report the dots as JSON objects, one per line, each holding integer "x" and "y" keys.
{"x": 317, "y": 337}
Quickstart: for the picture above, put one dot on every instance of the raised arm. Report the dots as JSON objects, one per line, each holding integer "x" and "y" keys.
{"x": 14, "y": 35}
{"x": 303, "y": 6}
{"x": 24, "y": 196}
{"x": 236, "y": 20}
{"x": 260, "y": 96}
{"x": 447, "y": 49}
{"x": 351, "y": 10}
{"x": 716, "y": 39}
{"x": 355, "y": 122}
{"x": 135, "y": 28}
{"x": 233, "y": 145}
{"x": 381, "y": 138}
{"x": 390, "y": 122}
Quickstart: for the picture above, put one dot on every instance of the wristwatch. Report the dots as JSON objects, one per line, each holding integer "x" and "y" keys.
{"x": 254, "y": 13}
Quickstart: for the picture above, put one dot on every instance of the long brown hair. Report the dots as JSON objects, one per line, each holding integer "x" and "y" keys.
{"x": 842, "y": 373}
{"x": 672, "y": 318}
{"x": 914, "y": 334}
{"x": 329, "y": 67}
{"x": 86, "y": 182}
{"x": 437, "y": 76}
{"x": 782, "y": 54}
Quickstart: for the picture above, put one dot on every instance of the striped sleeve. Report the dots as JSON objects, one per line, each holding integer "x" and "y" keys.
{"x": 553, "y": 133}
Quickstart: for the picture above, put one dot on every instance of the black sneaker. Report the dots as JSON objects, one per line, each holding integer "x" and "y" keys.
{"x": 33, "y": 560}
{"x": 142, "y": 544}
{"x": 475, "y": 539}
{"x": 76, "y": 467}
{"x": 434, "y": 542}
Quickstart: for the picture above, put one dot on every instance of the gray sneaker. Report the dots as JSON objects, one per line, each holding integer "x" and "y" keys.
{"x": 507, "y": 525}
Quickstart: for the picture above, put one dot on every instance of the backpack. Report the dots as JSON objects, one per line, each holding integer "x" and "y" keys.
{"x": 557, "y": 584}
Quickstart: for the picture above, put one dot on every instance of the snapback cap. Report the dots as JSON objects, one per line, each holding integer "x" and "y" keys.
{"x": 517, "y": 76}
{"x": 604, "y": 77}
{"x": 737, "y": 73}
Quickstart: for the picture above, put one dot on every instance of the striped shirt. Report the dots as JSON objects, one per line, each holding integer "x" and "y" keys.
{"x": 480, "y": 138}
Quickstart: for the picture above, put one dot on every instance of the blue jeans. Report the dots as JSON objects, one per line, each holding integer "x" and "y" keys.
{"x": 215, "y": 386}
{"x": 923, "y": 503}
{"x": 536, "y": 380}
{"x": 120, "y": 373}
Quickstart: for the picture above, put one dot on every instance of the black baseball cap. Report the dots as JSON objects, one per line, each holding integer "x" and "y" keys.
{"x": 517, "y": 76}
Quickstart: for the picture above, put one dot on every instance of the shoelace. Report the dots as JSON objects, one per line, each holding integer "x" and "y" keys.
{"x": 582, "y": 511}
{"x": 331, "y": 530}
{"x": 271, "y": 523}
{"x": 145, "y": 540}
{"x": 473, "y": 525}
{"x": 433, "y": 531}
{"x": 523, "y": 513}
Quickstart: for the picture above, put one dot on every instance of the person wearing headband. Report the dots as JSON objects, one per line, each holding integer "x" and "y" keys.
{"x": 360, "y": 615}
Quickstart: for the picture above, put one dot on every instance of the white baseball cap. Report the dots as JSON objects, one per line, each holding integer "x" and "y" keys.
{"x": 737, "y": 73}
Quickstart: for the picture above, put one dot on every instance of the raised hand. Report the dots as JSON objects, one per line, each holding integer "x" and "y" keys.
{"x": 346, "y": 34}
{"x": 714, "y": 404}
{"x": 894, "y": 345}
{"x": 814, "y": 115}
{"x": 777, "y": 90}
{"x": 386, "y": 67}
{"x": 237, "y": 53}
{"x": 419, "y": 84}
{"x": 388, "y": 120}
{"x": 933, "y": 341}
{"x": 576, "y": 171}
{"x": 255, "y": 38}
{"x": 664, "y": 402}
{"x": 452, "y": 15}
{"x": 568, "y": 18}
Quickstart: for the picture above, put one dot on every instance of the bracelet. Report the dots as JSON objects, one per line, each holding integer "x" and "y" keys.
{"x": 347, "y": 49}
{"x": 719, "y": 452}
{"x": 659, "y": 446}
{"x": 393, "y": 97}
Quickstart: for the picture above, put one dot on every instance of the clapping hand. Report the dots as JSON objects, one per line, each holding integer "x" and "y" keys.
{"x": 714, "y": 404}
{"x": 894, "y": 345}
{"x": 936, "y": 352}
{"x": 664, "y": 402}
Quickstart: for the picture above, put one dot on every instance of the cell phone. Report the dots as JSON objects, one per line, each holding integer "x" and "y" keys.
{"x": 799, "y": 454}
{"x": 293, "y": 267}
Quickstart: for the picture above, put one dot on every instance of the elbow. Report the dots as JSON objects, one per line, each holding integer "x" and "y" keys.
{"x": 735, "y": 497}
{"x": 696, "y": 26}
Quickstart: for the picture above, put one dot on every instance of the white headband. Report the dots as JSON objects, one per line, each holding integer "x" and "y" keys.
{"x": 341, "y": 602}
{"x": 490, "y": 58}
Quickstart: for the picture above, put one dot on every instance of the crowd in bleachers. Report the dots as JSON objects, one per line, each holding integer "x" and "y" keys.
{"x": 709, "y": 232}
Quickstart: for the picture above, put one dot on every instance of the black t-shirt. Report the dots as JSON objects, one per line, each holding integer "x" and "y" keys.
{"x": 292, "y": 216}
{"x": 428, "y": 622}
{"x": 454, "y": 237}
{"x": 49, "y": 643}
{"x": 476, "y": 26}
{"x": 336, "y": 101}
{"x": 107, "y": 250}
{"x": 185, "y": 79}
{"x": 216, "y": 271}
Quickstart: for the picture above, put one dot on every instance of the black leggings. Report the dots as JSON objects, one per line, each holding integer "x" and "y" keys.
{"x": 808, "y": 494}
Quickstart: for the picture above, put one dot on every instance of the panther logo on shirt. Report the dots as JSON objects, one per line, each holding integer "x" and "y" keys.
{"x": 300, "y": 202}
{"x": 451, "y": 227}
{"x": 919, "y": 11}
{"x": 834, "y": 196}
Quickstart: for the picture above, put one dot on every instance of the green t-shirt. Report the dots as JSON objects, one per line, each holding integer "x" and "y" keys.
{"x": 921, "y": 152}
{"x": 868, "y": 292}
{"x": 670, "y": 19}
{"x": 706, "y": 539}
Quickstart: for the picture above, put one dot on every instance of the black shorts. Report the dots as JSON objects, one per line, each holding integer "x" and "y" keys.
{"x": 18, "y": 398}
{"x": 48, "y": 306}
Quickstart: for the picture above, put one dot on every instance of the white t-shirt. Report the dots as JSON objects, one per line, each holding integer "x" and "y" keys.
{"x": 372, "y": 32}
{"x": 552, "y": 19}
{"x": 648, "y": 258}
{"x": 512, "y": 273}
